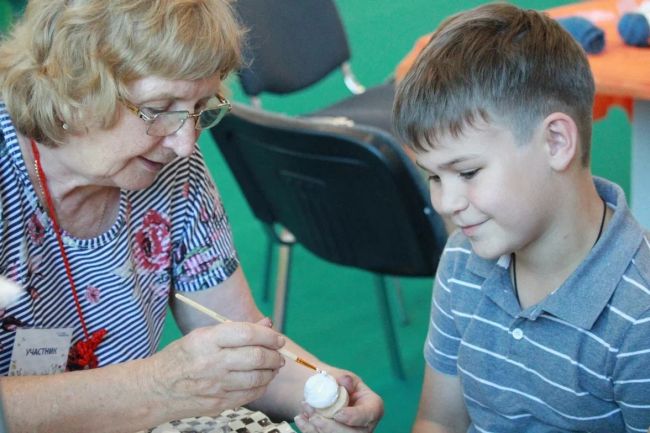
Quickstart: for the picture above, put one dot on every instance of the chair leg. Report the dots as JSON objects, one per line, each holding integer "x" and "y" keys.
{"x": 401, "y": 309}
{"x": 389, "y": 329}
{"x": 282, "y": 279}
{"x": 268, "y": 274}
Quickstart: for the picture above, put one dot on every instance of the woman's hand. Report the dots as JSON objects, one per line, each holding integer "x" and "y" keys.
{"x": 217, "y": 368}
{"x": 361, "y": 416}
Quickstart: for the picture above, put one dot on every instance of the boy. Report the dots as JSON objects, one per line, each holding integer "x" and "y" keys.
{"x": 541, "y": 308}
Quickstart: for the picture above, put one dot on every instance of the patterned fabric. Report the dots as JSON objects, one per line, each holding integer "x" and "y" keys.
{"x": 577, "y": 361}
{"x": 240, "y": 420}
{"x": 172, "y": 236}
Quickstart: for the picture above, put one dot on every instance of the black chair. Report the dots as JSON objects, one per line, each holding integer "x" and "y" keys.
{"x": 293, "y": 44}
{"x": 348, "y": 194}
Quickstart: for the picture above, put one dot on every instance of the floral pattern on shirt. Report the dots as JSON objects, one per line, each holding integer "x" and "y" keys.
{"x": 92, "y": 294}
{"x": 190, "y": 264}
{"x": 153, "y": 243}
{"x": 36, "y": 226}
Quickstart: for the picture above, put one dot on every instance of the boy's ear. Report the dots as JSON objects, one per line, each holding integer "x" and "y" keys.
{"x": 561, "y": 140}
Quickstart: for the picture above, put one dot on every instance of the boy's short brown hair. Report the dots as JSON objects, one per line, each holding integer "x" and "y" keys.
{"x": 495, "y": 62}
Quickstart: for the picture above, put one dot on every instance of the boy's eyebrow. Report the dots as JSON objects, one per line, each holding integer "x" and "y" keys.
{"x": 448, "y": 163}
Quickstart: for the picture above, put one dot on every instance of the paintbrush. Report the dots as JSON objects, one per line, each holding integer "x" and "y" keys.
{"x": 219, "y": 318}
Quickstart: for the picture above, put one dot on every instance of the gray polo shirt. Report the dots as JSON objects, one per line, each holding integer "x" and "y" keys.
{"x": 577, "y": 361}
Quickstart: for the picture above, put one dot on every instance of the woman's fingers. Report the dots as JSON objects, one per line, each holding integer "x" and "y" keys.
{"x": 238, "y": 334}
{"x": 219, "y": 360}
{"x": 242, "y": 380}
{"x": 250, "y": 358}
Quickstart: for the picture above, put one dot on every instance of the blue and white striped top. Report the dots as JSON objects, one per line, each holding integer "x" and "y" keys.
{"x": 172, "y": 236}
{"x": 578, "y": 361}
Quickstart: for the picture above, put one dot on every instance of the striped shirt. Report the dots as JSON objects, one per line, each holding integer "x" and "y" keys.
{"x": 579, "y": 360}
{"x": 173, "y": 235}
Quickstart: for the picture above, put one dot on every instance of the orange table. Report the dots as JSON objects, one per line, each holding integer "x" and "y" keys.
{"x": 622, "y": 76}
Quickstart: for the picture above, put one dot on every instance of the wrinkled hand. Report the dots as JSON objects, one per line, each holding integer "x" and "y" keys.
{"x": 361, "y": 416}
{"x": 216, "y": 368}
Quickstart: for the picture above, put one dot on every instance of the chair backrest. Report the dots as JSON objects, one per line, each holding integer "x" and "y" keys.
{"x": 290, "y": 44}
{"x": 347, "y": 194}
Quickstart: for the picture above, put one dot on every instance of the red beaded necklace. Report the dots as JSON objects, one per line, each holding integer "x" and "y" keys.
{"x": 82, "y": 354}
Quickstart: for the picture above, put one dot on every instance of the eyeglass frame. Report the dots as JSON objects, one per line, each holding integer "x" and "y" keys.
{"x": 149, "y": 119}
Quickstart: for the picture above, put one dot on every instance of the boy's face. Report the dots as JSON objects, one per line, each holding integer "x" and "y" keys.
{"x": 495, "y": 190}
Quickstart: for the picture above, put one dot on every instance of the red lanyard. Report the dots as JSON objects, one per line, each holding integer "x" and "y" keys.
{"x": 82, "y": 354}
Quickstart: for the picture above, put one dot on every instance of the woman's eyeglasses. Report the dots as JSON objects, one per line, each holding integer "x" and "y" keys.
{"x": 163, "y": 123}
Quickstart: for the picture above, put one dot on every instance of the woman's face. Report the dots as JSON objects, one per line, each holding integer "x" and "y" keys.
{"x": 124, "y": 156}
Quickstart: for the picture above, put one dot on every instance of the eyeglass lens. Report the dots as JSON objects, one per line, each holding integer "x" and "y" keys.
{"x": 167, "y": 123}
{"x": 211, "y": 117}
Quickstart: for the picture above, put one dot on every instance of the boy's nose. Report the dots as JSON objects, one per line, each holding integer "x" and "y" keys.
{"x": 451, "y": 200}
{"x": 182, "y": 141}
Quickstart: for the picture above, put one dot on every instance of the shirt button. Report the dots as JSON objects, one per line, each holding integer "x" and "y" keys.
{"x": 517, "y": 334}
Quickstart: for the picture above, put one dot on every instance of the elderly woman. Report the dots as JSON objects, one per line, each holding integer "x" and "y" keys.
{"x": 107, "y": 208}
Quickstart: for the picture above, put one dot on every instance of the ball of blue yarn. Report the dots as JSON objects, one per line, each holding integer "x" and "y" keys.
{"x": 634, "y": 29}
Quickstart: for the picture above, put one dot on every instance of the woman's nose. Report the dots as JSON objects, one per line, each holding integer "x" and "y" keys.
{"x": 182, "y": 141}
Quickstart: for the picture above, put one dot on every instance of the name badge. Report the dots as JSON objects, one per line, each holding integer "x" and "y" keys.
{"x": 40, "y": 351}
